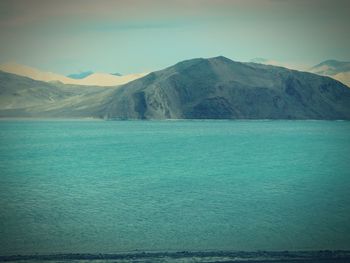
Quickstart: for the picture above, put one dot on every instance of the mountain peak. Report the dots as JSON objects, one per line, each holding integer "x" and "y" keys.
{"x": 221, "y": 59}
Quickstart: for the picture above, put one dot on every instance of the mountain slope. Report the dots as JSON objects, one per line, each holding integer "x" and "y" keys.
{"x": 219, "y": 88}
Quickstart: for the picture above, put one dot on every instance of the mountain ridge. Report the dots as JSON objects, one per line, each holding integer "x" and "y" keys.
{"x": 214, "y": 88}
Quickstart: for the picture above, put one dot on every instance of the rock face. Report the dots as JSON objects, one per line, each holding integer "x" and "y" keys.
{"x": 215, "y": 88}
{"x": 219, "y": 88}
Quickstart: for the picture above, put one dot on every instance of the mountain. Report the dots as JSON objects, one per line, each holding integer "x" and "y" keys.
{"x": 338, "y": 70}
{"x": 219, "y": 88}
{"x": 80, "y": 75}
{"x": 215, "y": 88}
{"x": 93, "y": 79}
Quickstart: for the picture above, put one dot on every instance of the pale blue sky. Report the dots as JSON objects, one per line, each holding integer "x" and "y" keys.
{"x": 138, "y": 35}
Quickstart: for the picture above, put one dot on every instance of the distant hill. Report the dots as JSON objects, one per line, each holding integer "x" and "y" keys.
{"x": 93, "y": 79}
{"x": 215, "y": 88}
{"x": 331, "y": 67}
{"x": 80, "y": 75}
{"x": 338, "y": 70}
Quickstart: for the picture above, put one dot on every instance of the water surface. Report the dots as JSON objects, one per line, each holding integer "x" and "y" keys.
{"x": 106, "y": 187}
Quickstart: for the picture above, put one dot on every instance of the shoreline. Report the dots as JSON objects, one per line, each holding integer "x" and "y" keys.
{"x": 156, "y": 120}
{"x": 193, "y": 256}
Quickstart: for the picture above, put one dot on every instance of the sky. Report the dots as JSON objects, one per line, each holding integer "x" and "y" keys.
{"x": 130, "y": 36}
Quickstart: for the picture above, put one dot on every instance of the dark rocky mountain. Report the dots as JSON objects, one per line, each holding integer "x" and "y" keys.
{"x": 215, "y": 88}
{"x": 219, "y": 88}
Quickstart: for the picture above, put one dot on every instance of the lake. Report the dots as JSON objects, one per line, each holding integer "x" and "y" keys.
{"x": 85, "y": 186}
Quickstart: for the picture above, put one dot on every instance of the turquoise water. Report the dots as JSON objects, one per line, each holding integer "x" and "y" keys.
{"x": 104, "y": 186}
